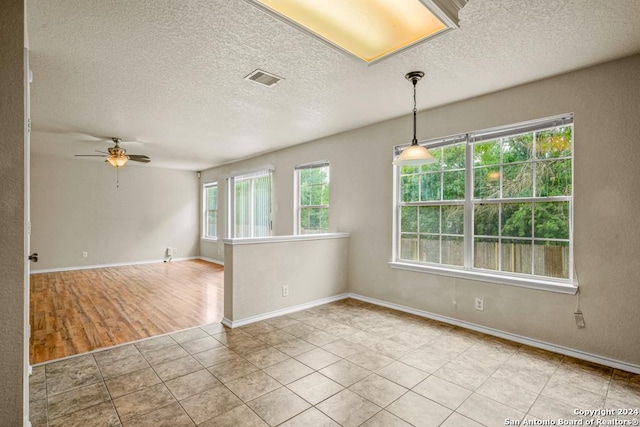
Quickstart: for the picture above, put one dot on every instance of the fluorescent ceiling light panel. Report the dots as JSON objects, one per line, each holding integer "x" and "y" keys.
{"x": 368, "y": 29}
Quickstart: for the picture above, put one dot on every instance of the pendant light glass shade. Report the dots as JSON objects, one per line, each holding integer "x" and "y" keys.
{"x": 118, "y": 161}
{"x": 414, "y": 154}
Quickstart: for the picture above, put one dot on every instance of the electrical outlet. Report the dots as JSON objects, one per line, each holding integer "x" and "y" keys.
{"x": 579, "y": 319}
{"x": 479, "y": 304}
{"x": 169, "y": 250}
{"x": 85, "y": 254}
{"x": 285, "y": 291}
{"x": 175, "y": 251}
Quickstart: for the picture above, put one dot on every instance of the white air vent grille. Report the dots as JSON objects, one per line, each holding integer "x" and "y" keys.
{"x": 263, "y": 78}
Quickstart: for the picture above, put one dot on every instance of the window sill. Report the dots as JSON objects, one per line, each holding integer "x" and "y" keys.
{"x": 209, "y": 239}
{"x": 543, "y": 285}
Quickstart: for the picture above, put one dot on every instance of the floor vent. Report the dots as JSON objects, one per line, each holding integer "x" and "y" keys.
{"x": 263, "y": 78}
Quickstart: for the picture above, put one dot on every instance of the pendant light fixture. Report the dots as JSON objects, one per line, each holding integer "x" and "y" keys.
{"x": 414, "y": 154}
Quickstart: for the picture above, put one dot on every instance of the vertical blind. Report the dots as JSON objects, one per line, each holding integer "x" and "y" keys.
{"x": 252, "y": 204}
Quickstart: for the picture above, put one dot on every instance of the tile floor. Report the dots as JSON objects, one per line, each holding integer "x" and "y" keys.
{"x": 347, "y": 363}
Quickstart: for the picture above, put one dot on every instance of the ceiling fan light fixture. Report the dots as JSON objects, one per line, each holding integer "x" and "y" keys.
{"x": 117, "y": 161}
{"x": 415, "y": 154}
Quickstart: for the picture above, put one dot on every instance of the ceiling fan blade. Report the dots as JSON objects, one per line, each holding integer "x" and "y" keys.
{"x": 89, "y": 155}
{"x": 139, "y": 158}
{"x": 103, "y": 152}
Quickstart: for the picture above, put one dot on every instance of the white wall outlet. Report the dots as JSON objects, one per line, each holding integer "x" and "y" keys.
{"x": 175, "y": 251}
{"x": 285, "y": 291}
{"x": 479, "y": 304}
{"x": 169, "y": 251}
{"x": 85, "y": 254}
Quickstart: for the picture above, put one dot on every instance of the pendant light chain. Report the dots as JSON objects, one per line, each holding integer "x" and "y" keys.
{"x": 415, "y": 110}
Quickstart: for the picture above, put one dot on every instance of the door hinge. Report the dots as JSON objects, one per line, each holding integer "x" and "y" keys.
{"x": 29, "y": 125}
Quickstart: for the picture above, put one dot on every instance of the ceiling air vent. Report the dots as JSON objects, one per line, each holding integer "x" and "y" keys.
{"x": 263, "y": 78}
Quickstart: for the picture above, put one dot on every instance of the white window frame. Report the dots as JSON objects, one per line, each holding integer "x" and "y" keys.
{"x": 205, "y": 211}
{"x": 231, "y": 194}
{"x": 296, "y": 194}
{"x": 467, "y": 271}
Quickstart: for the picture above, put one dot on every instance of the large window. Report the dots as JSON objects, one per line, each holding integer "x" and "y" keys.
{"x": 497, "y": 202}
{"x": 250, "y": 204}
{"x": 210, "y": 201}
{"x": 312, "y": 210}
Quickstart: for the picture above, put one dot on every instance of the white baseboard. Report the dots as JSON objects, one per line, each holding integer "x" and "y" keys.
{"x": 117, "y": 264}
{"x": 629, "y": 367}
{"x": 215, "y": 261}
{"x": 281, "y": 312}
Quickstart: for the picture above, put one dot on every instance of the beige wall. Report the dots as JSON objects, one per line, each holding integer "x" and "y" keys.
{"x": 12, "y": 212}
{"x": 76, "y": 207}
{"x": 604, "y": 99}
{"x": 311, "y": 268}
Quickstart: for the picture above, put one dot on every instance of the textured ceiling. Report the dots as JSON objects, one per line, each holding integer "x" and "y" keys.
{"x": 170, "y": 74}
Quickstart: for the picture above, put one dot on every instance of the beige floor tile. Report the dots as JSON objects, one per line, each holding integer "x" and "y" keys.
{"x": 299, "y": 329}
{"x": 253, "y": 385}
{"x": 193, "y": 383}
{"x": 189, "y": 335}
{"x": 266, "y": 357}
{"x": 257, "y": 329}
{"x": 288, "y": 371}
{"x": 442, "y": 392}
{"x": 527, "y": 377}
{"x": 241, "y": 416}
{"x": 281, "y": 322}
{"x": 550, "y": 408}
{"x": 317, "y": 358}
{"x": 348, "y": 408}
{"x": 625, "y": 390}
{"x": 385, "y": 419}
{"x": 231, "y": 336}
{"x": 344, "y": 348}
{"x": 340, "y": 330}
{"x": 405, "y": 375}
{"x": 143, "y": 401}
{"x": 214, "y": 328}
{"x": 103, "y": 414}
{"x": 232, "y": 369}
{"x": 38, "y": 383}
{"x": 38, "y": 412}
{"x": 275, "y": 337}
{"x": 364, "y": 338}
{"x": 345, "y": 372}
{"x": 559, "y": 389}
{"x": 124, "y": 366}
{"x": 391, "y": 349}
{"x": 464, "y": 376}
{"x": 278, "y": 406}
{"x": 154, "y": 343}
{"x": 107, "y": 357}
{"x": 177, "y": 368}
{"x": 487, "y": 411}
{"x": 215, "y": 356}
{"x": 457, "y": 420}
{"x": 210, "y": 403}
{"x": 310, "y": 418}
{"x": 63, "y": 404}
{"x": 164, "y": 354}
{"x": 134, "y": 381}
{"x": 586, "y": 377}
{"x": 418, "y": 410}
{"x": 318, "y": 338}
{"x": 370, "y": 360}
{"x": 508, "y": 394}
{"x": 170, "y": 416}
{"x": 67, "y": 375}
{"x": 378, "y": 390}
{"x": 315, "y": 388}
{"x": 426, "y": 361}
{"x": 294, "y": 347}
{"x": 246, "y": 346}
{"x": 201, "y": 344}
{"x": 410, "y": 340}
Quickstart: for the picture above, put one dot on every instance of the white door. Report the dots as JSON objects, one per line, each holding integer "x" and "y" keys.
{"x": 27, "y": 232}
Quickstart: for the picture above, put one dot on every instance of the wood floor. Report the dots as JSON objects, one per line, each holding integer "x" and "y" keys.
{"x": 77, "y": 311}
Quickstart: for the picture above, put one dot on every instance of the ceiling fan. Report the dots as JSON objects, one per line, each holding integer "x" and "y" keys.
{"x": 117, "y": 156}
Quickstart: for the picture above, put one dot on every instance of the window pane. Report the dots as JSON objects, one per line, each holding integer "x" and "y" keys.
{"x": 516, "y": 256}
{"x": 517, "y": 180}
{"x": 486, "y": 183}
{"x": 485, "y": 253}
{"x": 409, "y": 219}
{"x": 486, "y": 153}
{"x": 212, "y": 218}
{"x": 551, "y": 259}
{"x": 429, "y": 248}
{"x": 430, "y": 219}
{"x": 551, "y": 220}
{"x": 305, "y": 195}
{"x": 453, "y": 219}
{"x": 453, "y": 185}
{"x": 554, "y": 143}
{"x": 242, "y": 209}
{"x": 262, "y": 206}
{"x": 430, "y": 186}
{"x": 409, "y": 188}
{"x": 433, "y": 167}
{"x": 409, "y": 247}
{"x": 453, "y": 157}
{"x": 316, "y": 195}
{"x": 453, "y": 250}
{"x": 553, "y": 178}
{"x": 486, "y": 219}
{"x": 517, "y": 220}
{"x": 517, "y": 148}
